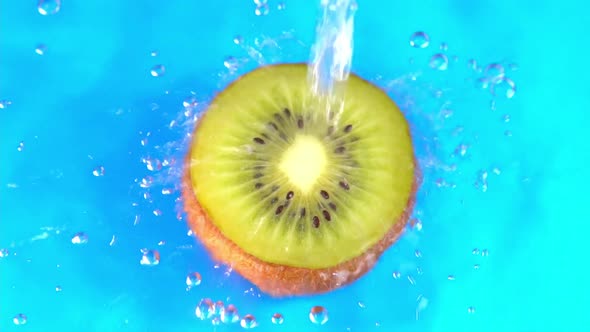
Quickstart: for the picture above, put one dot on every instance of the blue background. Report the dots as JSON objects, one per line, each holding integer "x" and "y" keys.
{"x": 90, "y": 100}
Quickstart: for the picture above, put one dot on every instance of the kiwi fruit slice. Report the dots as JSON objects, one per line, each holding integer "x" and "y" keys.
{"x": 299, "y": 196}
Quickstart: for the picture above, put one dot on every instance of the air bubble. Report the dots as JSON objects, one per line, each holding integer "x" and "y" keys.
{"x": 396, "y": 275}
{"x": 48, "y": 7}
{"x": 439, "y": 61}
{"x": 261, "y": 10}
{"x": 99, "y": 171}
{"x": 215, "y": 321}
{"x": 248, "y": 322}
{"x": 149, "y": 257}
{"x": 4, "y": 252}
{"x": 58, "y": 289}
{"x": 80, "y": 238}
{"x": 230, "y": 314}
{"x": 281, "y": 6}
{"x": 205, "y": 309}
{"x": 158, "y": 70}
{"x": 450, "y": 277}
{"x": 419, "y": 40}
{"x": 475, "y": 251}
{"x": 157, "y": 212}
{"x": 20, "y": 319}
{"x": 20, "y": 147}
{"x": 318, "y": 315}
{"x": 504, "y": 87}
{"x": 444, "y": 47}
{"x": 485, "y": 253}
{"x": 40, "y": 49}
{"x": 471, "y": 310}
{"x": 193, "y": 279}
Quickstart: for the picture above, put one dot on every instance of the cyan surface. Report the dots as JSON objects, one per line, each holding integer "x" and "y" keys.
{"x": 89, "y": 100}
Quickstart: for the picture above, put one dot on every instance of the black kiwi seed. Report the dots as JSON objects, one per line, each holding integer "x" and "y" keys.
{"x": 279, "y": 118}
{"x": 300, "y": 123}
{"x": 283, "y": 136}
{"x": 344, "y": 185}
{"x": 324, "y": 194}
{"x": 290, "y": 195}
{"x": 274, "y": 188}
{"x": 316, "y": 221}
{"x": 348, "y": 128}
{"x": 258, "y": 140}
{"x": 287, "y": 112}
{"x": 326, "y": 215}
{"x": 257, "y": 175}
{"x": 302, "y": 212}
{"x": 258, "y": 185}
{"x": 330, "y": 130}
{"x": 279, "y": 210}
{"x": 340, "y": 149}
{"x": 273, "y": 125}
{"x": 332, "y": 206}
{"x": 274, "y": 200}
{"x": 265, "y": 136}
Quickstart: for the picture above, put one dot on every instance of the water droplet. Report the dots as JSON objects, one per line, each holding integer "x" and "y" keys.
{"x": 248, "y": 322}
{"x": 230, "y": 314}
{"x": 20, "y": 147}
{"x": 4, "y": 252}
{"x": 485, "y": 253}
{"x": 318, "y": 315}
{"x": 451, "y": 277}
{"x": 482, "y": 83}
{"x": 205, "y": 309}
{"x": 193, "y": 279}
{"x": 475, "y": 251}
{"x": 261, "y": 10}
{"x": 146, "y": 182}
{"x": 99, "y": 171}
{"x": 471, "y": 310}
{"x": 40, "y": 49}
{"x": 494, "y": 72}
{"x": 48, "y": 7}
{"x": 444, "y": 47}
{"x": 20, "y": 319}
{"x": 4, "y": 104}
{"x": 58, "y": 288}
{"x": 396, "y": 275}
{"x": 281, "y": 6}
{"x": 80, "y": 238}
{"x": 277, "y": 318}
{"x": 158, "y": 70}
{"x": 149, "y": 257}
{"x": 231, "y": 63}
{"x": 504, "y": 87}
{"x": 439, "y": 61}
{"x": 190, "y": 102}
{"x": 419, "y": 40}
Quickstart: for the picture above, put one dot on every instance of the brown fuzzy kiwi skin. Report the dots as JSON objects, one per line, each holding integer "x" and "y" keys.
{"x": 279, "y": 280}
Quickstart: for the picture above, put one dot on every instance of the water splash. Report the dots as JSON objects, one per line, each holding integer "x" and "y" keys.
{"x": 331, "y": 54}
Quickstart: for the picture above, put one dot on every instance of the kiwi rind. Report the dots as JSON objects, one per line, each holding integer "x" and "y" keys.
{"x": 279, "y": 279}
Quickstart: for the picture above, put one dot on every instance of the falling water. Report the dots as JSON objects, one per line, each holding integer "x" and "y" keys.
{"x": 331, "y": 55}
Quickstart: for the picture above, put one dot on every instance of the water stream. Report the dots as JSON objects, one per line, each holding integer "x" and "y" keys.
{"x": 331, "y": 54}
